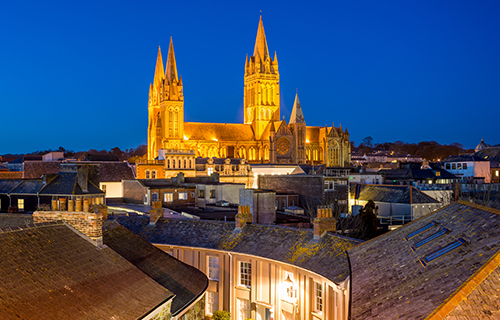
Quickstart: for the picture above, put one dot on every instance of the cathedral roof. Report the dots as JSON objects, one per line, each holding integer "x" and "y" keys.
{"x": 219, "y": 131}
{"x": 297, "y": 115}
{"x": 261, "y": 43}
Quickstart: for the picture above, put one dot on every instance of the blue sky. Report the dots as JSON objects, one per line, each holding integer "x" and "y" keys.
{"x": 76, "y": 73}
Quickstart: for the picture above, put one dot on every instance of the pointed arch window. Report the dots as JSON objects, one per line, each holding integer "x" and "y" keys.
{"x": 185, "y": 164}
{"x": 170, "y": 123}
{"x": 252, "y": 154}
{"x": 266, "y": 152}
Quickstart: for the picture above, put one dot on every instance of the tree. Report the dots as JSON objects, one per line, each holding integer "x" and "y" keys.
{"x": 221, "y": 315}
{"x": 368, "y": 226}
{"x": 368, "y": 141}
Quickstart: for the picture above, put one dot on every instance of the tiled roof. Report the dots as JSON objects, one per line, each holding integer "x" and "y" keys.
{"x": 185, "y": 281}
{"x": 389, "y": 282}
{"x": 388, "y": 193}
{"x": 15, "y": 220}
{"x": 115, "y": 171}
{"x": 219, "y": 131}
{"x": 50, "y": 272}
{"x": 35, "y": 169}
{"x": 325, "y": 256}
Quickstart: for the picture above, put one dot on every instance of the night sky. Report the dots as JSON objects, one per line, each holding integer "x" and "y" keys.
{"x": 76, "y": 73}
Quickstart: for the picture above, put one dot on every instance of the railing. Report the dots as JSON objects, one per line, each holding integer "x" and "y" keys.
{"x": 394, "y": 220}
{"x": 472, "y": 187}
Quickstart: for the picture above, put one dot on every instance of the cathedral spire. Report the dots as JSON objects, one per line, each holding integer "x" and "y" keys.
{"x": 159, "y": 68}
{"x": 261, "y": 43}
{"x": 297, "y": 115}
{"x": 171, "y": 68}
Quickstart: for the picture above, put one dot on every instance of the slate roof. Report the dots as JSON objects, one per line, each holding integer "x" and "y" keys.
{"x": 7, "y": 186}
{"x": 325, "y": 256}
{"x": 219, "y": 131}
{"x": 388, "y": 193}
{"x": 27, "y": 157}
{"x": 101, "y": 157}
{"x": 29, "y": 187}
{"x": 35, "y": 169}
{"x": 417, "y": 174}
{"x": 492, "y": 153}
{"x": 187, "y": 282}
{"x": 463, "y": 157}
{"x": 50, "y": 272}
{"x": 65, "y": 183}
{"x": 15, "y": 220}
{"x": 389, "y": 282}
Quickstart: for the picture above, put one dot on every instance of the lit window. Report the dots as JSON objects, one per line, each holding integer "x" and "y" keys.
{"x": 212, "y": 194}
{"x": 245, "y": 274}
{"x": 183, "y": 195}
{"x": 243, "y": 309}
{"x": 168, "y": 197}
{"x": 496, "y": 173}
{"x": 459, "y": 166}
{"x": 153, "y": 174}
{"x": 438, "y": 173}
{"x": 318, "y": 297}
{"x": 213, "y": 268}
{"x": 453, "y": 166}
{"x": 210, "y": 171}
{"x": 103, "y": 188}
{"x": 20, "y": 204}
{"x": 147, "y": 174}
{"x": 212, "y": 302}
{"x": 201, "y": 194}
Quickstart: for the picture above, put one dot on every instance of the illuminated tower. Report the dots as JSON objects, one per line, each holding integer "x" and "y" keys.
{"x": 261, "y": 102}
{"x": 166, "y": 106}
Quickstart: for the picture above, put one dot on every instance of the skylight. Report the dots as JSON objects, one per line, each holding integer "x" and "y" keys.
{"x": 442, "y": 251}
{"x": 416, "y": 232}
{"x": 430, "y": 238}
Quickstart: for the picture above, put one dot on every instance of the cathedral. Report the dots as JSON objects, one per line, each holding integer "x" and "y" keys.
{"x": 263, "y": 137}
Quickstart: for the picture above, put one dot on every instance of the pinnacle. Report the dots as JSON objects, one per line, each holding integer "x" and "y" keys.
{"x": 261, "y": 43}
{"x": 159, "y": 68}
{"x": 297, "y": 115}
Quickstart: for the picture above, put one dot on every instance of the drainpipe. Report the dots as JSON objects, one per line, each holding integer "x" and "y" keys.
{"x": 230, "y": 282}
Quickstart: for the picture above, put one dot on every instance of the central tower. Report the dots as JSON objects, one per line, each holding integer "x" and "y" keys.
{"x": 261, "y": 98}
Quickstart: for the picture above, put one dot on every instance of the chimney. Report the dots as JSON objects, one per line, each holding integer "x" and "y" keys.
{"x": 324, "y": 222}
{"x": 243, "y": 217}
{"x": 88, "y": 222}
{"x": 156, "y": 212}
{"x": 83, "y": 177}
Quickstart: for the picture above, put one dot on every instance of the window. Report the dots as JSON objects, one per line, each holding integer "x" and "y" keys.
{"x": 213, "y": 268}
{"x": 453, "y": 166}
{"x": 429, "y": 239}
{"x": 464, "y": 166}
{"x": 210, "y": 171}
{"x": 448, "y": 166}
{"x": 103, "y": 188}
{"x": 192, "y": 194}
{"x": 168, "y": 164}
{"x": 147, "y": 174}
{"x": 243, "y": 309}
{"x": 438, "y": 173}
{"x": 496, "y": 173}
{"x": 20, "y": 204}
{"x": 173, "y": 163}
{"x": 190, "y": 164}
{"x": 212, "y": 194}
{"x": 201, "y": 194}
{"x": 154, "y": 197}
{"x": 168, "y": 197}
{"x": 212, "y": 302}
{"x": 153, "y": 174}
{"x": 318, "y": 297}
{"x": 442, "y": 251}
{"x": 185, "y": 164}
{"x": 416, "y": 232}
{"x": 459, "y": 166}
{"x": 245, "y": 274}
{"x": 183, "y": 195}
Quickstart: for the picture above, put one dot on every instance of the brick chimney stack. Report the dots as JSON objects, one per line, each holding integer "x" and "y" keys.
{"x": 155, "y": 213}
{"x": 324, "y": 222}
{"x": 87, "y": 221}
{"x": 243, "y": 217}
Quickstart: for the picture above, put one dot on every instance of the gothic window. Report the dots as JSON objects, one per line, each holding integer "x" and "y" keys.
{"x": 185, "y": 164}
{"x": 168, "y": 163}
{"x": 176, "y": 123}
{"x": 252, "y": 96}
{"x": 242, "y": 152}
{"x": 170, "y": 123}
{"x": 190, "y": 164}
{"x": 271, "y": 96}
{"x": 308, "y": 153}
{"x": 266, "y": 152}
{"x": 252, "y": 154}
{"x": 315, "y": 154}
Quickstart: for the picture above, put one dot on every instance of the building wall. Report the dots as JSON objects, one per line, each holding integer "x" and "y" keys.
{"x": 171, "y": 196}
{"x": 133, "y": 191}
{"x": 262, "y": 204}
{"x": 268, "y": 288}
{"x": 113, "y": 189}
{"x": 366, "y": 178}
{"x": 309, "y": 186}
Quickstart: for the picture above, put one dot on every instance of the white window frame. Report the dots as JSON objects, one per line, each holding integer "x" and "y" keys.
{"x": 318, "y": 297}
{"x": 244, "y": 309}
{"x": 213, "y": 268}
{"x": 245, "y": 274}
{"x": 212, "y": 302}
{"x": 183, "y": 196}
{"x": 168, "y": 197}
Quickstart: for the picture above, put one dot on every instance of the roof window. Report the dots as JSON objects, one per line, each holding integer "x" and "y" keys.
{"x": 416, "y": 232}
{"x": 430, "y": 238}
{"x": 442, "y": 251}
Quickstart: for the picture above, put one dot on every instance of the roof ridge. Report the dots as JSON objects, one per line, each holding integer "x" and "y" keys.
{"x": 30, "y": 225}
{"x": 479, "y": 206}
